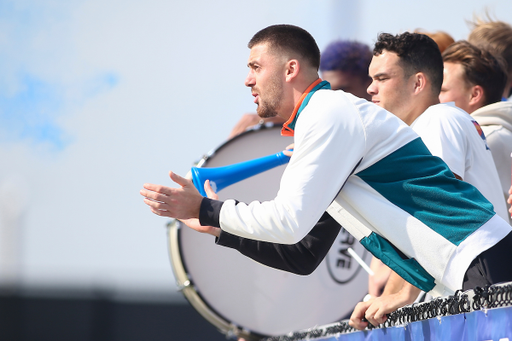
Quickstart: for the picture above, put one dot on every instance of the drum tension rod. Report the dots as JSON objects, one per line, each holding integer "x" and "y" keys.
{"x": 185, "y": 284}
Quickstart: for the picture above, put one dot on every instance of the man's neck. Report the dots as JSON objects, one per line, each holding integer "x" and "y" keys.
{"x": 419, "y": 108}
{"x": 297, "y": 91}
{"x": 302, "y": 86}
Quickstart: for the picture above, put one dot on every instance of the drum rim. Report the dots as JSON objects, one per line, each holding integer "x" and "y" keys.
{"x": 193, "y": 296}
{"x": 184, "y": 282}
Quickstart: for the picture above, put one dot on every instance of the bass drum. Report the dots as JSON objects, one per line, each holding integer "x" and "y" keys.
{"x": 244, "y": 298}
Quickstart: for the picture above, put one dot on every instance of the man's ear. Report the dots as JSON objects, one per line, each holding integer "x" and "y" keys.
{"x": 420, "y": 82}
{"x": 477, "y": 96}
{"x": 292, "y": 69}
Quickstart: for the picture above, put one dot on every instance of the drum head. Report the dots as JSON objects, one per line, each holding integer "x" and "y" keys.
{"x": 243, "y": 297}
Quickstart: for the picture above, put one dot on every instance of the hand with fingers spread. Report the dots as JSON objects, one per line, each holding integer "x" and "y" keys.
{"x": 179, "y": 203}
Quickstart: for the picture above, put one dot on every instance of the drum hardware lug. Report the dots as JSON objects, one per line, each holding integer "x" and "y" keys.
{"x": 183, "y": 286}
{"x": 233, "y": 332}
{"x": 170, "y": 223}
{"x": 201, "y": 161}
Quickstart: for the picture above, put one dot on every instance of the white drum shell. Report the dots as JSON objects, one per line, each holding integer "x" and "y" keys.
{"x": 233, "y": 291}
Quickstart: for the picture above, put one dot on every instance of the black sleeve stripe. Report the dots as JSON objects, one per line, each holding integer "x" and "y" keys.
{"x": 209, "y": 212}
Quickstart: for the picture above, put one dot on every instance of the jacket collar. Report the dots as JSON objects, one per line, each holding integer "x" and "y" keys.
{"x": 289, "y": 126}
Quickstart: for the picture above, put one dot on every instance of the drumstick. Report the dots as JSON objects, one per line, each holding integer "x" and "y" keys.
{"x": 360, "y": 261}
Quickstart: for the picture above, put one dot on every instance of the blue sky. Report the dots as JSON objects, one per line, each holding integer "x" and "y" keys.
{"x": 31, "y": 99}
{"x": 98, "y": 97}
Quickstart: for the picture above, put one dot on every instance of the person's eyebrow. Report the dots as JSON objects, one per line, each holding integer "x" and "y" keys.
{"x": 251, "y": 64}
{"x": 379, "y": 75}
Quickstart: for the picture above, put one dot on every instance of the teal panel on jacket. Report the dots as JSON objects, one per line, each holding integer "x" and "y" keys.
{"x": 423, "y": 186}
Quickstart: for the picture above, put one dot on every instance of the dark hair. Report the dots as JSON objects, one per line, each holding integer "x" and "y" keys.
{"x": 289, "y": 39}
{"x": 480, "y": 68}
{"x": 417, "y": 53}
{"x": 348, "y": 56}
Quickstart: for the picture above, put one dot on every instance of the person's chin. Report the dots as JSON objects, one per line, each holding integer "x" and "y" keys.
{"x": 266, "y": 114}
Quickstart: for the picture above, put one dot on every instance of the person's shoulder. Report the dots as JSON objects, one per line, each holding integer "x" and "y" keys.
{"x": 334, "y": 95}
{"x": 444, "y": 119}
{"x": 495, "y": 111}
{"x": 333, "y": 101}
{"x": 497, "y": 106}
{"x": 447, "y": 112}
{"x": 449, "y": 109}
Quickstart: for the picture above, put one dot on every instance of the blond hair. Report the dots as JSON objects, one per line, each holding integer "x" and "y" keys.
{"x": 493, "y": 36}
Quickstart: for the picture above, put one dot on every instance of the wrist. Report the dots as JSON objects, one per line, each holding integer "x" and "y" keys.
{"x": 215, "y": 231}
{"x": 408, "y": 293}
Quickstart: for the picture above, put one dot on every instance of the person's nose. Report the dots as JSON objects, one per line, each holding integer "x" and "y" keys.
{"x": 372, "y": 89}
{"x": 250, "y": 81}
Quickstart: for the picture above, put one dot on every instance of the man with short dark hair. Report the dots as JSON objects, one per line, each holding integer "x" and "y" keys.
{"x": 474, "y": 79}
{"x": 407, "y": 72}
{"x": 403, "y": 204}
{"x": 343, "y": 63}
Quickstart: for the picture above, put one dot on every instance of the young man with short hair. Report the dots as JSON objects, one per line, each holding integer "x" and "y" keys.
{"x": 496, "y": 37}
{"x": 343, "y": 63}
{"x": 407, "y": 72}
{"x": 403, "y": 204}
{"x": 474, "y": 80}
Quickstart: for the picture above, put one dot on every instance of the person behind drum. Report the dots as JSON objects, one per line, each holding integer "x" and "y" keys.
{"x": 403, "y": 204}
{"x": 343, "y": 63}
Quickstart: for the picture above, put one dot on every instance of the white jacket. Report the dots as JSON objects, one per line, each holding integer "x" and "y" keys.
{"x": 496, "y": 122}
{"x": 403, "y": 204}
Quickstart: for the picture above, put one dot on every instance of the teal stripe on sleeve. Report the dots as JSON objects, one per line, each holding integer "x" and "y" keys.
{"x": 408, "y": 269}
{"x": 423, "y": 186}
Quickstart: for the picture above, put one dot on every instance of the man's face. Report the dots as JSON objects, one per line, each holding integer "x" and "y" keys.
{"x": 454, "y": 88}
{"x": 389, "y": 88}
{"x": 347, "y": 82}
{"x": 266, "y": 80}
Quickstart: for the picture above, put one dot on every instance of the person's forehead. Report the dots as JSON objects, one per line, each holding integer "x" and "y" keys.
{"x": 454, "y": 70}
{"x": 259, "y": 51}
{"x": 386, "y": 62}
